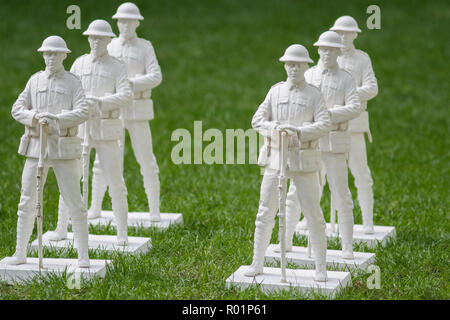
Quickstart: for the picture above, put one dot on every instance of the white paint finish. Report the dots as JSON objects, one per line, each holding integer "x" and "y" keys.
{"x": 300, "y": 279}
{"x": 27, "y": 271}
{"x": 137, "y": 219}
{"x": 100, "y": 242}
{"x": 299, "y": 256}
{"x": 381, "y": 235}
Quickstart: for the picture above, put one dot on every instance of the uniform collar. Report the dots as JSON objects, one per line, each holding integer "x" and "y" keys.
{"x": 322, "y": 69}
{"x": 49, "y": 74}
{"x": 293, "y": 86}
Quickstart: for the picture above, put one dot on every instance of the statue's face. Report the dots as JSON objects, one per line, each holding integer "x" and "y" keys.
{"x": 54, "y": 60}
{"x": 328, "y": 56}
{"x": 98, "y": 44}
{"x": 347, "y": 37}
{"x": 127, "y": 27}
{"x": 296, "y": 70}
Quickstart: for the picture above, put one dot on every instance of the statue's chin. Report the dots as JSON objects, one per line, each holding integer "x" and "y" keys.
{"x": 127, "y": 35}
{"x": 296, "y": 80}
{"x": 98, "y": 53}
{"x": 53, "y": 69}
{"x": 329, "y": 64}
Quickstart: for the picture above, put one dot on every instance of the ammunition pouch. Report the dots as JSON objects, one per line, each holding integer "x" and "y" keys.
{"x": 113, "y": 114}
{"x": 339, "y": 138}
{"x": 360, "y": 124}
{"x": 339, "y": 141}
{"x": 62, "y": 145}
{"x": 32, "y": 131}
{"x": 307, "y": 158}
{"x": 141, "y": 109}
{"x": 341, "y": 126}
{"x": 24, "y": 143}
{"x": 69, "y": 132}
{"x": 106, "y": 129}
{"x": 106, "y": 125}
{"x": 313, "y": 144}
{"x": 64, "y": 148}
{"x": 310, "y": 160}
{"x": 263, "y": 157}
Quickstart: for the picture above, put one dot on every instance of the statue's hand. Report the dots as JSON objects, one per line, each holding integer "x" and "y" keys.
{"x": 290, "y": 129}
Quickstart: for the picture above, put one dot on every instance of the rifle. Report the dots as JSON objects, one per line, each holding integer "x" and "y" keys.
{"x": 282, "y": 203}
{"x": 40, "y": 186}
{"x": 85, "y": 156}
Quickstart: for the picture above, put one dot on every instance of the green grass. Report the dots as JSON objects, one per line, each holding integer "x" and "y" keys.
{"x": 218, "y": 59}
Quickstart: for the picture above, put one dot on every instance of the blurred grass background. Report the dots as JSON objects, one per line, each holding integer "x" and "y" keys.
{"x": 218, "y": 60}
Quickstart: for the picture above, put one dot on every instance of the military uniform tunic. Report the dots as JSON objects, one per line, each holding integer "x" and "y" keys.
{"x": 105, "y": 77}
{"x": 142, "y": 66}
{"x": 61, "y": 94}
{"x": 341, "y": 99}
{"x": 144, "y": 73}
{"x": 295, "y": 105}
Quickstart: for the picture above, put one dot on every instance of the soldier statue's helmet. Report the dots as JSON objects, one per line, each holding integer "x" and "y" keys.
{"x": 99, "y": 28}
{"x": 345, "y": 23}
{"x": 128, "y": 10}
{"x": 54, "y": 44}
{"x": 329, "y": 39}
{"x": 296, "y": 53}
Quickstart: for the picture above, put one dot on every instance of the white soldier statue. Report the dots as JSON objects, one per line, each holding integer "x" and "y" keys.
{"x": 297, "y": 108}
{"x": 341, "y": 99}
{"x": 358, "y": 64}
{"x": 107, "y": 90}
{"x": 54, "y": 98}
{"x": 144, "y": 74}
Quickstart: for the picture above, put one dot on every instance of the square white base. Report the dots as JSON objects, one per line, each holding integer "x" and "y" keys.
{"x": 381, "y": 235}
{"x": 300, "y": 279}
{"x": 100, "y": 242}
{"x": 139, "y": 219}
{"x": 299, "y": 256}
{"x": 22, "y": 272}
